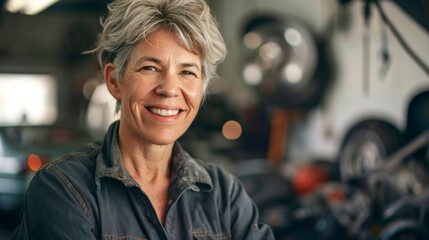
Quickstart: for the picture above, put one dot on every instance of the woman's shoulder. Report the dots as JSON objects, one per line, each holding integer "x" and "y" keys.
{"x": 213, "y": 167}
{"x": 62, "y": 188}
{"x": 76, "y": 166}
{"x": 219, "y": 174}
{"x": 82, "y": 157}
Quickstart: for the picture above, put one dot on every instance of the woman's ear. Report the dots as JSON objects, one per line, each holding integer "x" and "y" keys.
{"x": 111, "y": 81}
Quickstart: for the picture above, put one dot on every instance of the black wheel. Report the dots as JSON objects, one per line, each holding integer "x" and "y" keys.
{"x": 417, "y": 123}
{"x": 417, "y": 115}
{"x": 366, "y": 147}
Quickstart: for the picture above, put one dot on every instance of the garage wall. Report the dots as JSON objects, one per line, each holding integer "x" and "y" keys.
{"x": 52, "y": 42}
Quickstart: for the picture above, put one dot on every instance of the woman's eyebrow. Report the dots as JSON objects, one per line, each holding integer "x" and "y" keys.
{"x": 191, "y": 65}
{"x": 158, "y": 61}
{"x": 149, "y": 59}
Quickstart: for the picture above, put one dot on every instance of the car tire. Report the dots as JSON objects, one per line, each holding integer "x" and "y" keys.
{"x": 366, "y": 147}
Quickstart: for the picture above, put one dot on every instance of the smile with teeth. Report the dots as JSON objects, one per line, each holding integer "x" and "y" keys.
{"x": 164, "y": 112}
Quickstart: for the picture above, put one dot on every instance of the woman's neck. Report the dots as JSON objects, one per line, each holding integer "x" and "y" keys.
{"x": 145, "y": 161}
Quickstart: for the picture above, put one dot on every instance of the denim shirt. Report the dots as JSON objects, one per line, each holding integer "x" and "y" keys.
{"x": 88, "y": 194}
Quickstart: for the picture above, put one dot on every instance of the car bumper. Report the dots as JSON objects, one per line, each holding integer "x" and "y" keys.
{"x": 12, "y": 190}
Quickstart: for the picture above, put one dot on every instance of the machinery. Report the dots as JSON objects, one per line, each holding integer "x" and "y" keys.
{"x": 356, "y": 71}
{"x": 350, "y": 80}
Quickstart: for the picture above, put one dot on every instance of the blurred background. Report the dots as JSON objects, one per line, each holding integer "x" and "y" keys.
{"x": 321, "y": 108}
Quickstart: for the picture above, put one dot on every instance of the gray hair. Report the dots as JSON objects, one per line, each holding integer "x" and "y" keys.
{"x": 129, "y": 21}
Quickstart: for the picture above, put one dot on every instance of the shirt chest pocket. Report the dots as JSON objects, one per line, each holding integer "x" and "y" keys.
{"x": 199, "y": 235}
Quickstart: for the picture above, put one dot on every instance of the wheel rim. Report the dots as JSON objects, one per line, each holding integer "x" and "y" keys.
{"x": 366, "y": 155}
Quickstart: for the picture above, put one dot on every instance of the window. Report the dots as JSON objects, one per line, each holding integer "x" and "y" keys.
{"x": 27, "y": 99}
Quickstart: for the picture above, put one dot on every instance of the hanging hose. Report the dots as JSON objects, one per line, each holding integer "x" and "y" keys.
{"x": 385, "y": 55}
{"x": 401, "y": 40}
{"x": 366, "y": 47}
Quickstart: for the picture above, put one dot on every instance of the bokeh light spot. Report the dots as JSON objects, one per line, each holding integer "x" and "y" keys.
{"x": 34, "y": 162}
{"x": 231, "y": 130}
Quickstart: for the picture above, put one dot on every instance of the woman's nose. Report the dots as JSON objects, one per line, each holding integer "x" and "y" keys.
{"x": 168, "y": 86}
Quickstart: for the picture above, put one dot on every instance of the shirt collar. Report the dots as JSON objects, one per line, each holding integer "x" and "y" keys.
{"x": 186, "y": 171}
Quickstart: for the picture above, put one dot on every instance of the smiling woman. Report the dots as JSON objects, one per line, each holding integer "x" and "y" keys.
{"x": 157, "y": 58}
{"x": 161, "y": 78}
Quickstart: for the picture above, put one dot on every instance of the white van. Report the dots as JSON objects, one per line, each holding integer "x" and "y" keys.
{"x": 361, "y": 93}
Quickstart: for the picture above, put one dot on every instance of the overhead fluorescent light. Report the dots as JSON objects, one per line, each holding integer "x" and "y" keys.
{"x": 15, "y": 5}
{"x": 35, "y": 6}
{"x": 29, "y": 7}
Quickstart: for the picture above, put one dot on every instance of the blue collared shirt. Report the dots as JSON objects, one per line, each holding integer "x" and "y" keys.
{"x": 88, "y": 194}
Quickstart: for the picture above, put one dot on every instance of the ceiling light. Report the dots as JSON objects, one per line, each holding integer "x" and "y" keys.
{"x": 29, "y": 7}
{"x": 15, "y": 5}
{"x": 293, "y": 73}
{"x": 252, "y": 74}
{"x": 252, "y": 40}
{"x": 293, "y": 37}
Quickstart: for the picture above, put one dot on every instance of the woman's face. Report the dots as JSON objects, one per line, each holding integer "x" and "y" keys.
{"x": 161, "y": 90}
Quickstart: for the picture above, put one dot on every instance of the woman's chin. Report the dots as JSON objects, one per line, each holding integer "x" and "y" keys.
{"x": 163, "y": 140}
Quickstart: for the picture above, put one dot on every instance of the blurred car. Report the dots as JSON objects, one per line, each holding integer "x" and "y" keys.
{"x": 24, "y": 150}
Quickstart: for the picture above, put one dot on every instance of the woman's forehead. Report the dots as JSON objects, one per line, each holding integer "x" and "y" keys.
{"x": 164, "y": 45}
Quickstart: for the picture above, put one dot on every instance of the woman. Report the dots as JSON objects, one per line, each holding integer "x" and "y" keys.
{"x": 157, "y": 57}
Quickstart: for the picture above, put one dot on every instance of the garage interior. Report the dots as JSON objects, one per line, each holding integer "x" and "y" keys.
{"x": 321, "y": 109}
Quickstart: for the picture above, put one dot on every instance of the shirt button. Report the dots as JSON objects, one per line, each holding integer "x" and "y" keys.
{"x": 170, "y": 202}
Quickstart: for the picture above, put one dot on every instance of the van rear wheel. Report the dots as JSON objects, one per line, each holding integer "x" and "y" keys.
{"x": 366, "y": 147}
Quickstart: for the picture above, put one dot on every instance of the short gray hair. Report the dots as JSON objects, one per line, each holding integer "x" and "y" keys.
{"x": 129, "y": 21}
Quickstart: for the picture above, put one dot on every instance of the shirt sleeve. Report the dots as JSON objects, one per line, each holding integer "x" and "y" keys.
{"x": 245, "y": 216}
{"x": 53, "y": 209}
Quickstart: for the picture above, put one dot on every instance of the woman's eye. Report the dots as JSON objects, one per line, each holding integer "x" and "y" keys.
{"x": 189, "y": 73}
{"x": 149, "y": 68}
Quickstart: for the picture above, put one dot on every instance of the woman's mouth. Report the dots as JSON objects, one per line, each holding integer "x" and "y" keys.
{"x": 163, "y": 112}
